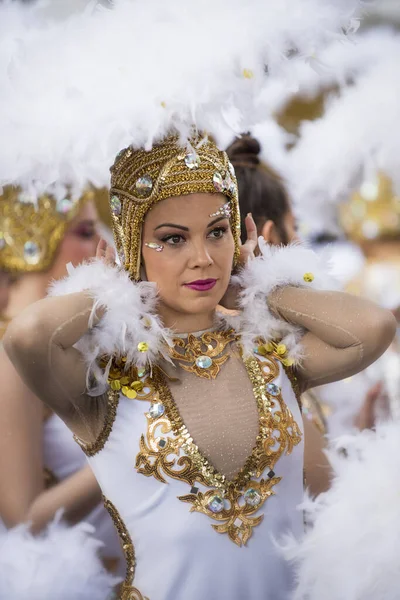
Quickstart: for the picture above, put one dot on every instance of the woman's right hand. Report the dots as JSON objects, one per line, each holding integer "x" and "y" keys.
{"x": 106, "y": 253}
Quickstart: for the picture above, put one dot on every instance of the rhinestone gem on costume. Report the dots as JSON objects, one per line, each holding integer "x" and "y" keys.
{"x": 252, "y": 497}
{"x": 156, "y": 410}
{"x": 218, "y": 182}
{"x": 216, "y": 504}
{"x": 2, "y": 242}
{"x": 115, "y": 205}
{"x": 64, "y": 206}
{"x": 231, "y": 169}
{"x": 144, "y": 185}
{"x": 272, "y": 389}
{"x": 203, "y": 362}
{"x": 31, "y": 253}
{"x": 192, "y": 160}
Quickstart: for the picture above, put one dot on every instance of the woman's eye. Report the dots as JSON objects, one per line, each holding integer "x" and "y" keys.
{"x": 87, "y": 234}
{"x": 217, "y": 233}
{"x": 173, "y": 240}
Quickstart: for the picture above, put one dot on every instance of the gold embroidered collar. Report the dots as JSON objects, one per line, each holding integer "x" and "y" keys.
{"x": 203, "y": 355}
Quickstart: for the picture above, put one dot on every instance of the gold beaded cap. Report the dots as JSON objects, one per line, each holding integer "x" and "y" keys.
{"x": 31, "y": 230}
{"x": 373, "y": 212}
{"x": 140, "y": 179}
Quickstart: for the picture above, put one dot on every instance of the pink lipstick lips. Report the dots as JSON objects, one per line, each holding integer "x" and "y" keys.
{"x": 201, "y": 285}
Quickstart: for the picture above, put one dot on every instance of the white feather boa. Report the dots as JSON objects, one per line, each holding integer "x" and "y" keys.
{"x": 352, "y": 552}
{"x": 131, "y": 318}
{"x": 61, "y": 564}
{"x": 277, "y": 266}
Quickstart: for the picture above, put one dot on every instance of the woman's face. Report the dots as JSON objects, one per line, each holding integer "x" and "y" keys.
{"x": 79, "y": 243}
{"x": 193, "y": 269}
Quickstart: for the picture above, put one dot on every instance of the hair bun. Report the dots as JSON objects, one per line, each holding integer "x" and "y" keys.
{"x": 244, "y": 151}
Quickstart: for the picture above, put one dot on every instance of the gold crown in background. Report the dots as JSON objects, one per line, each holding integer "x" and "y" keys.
{"x": 373, "y": 212}
{"x": 140, "y": 179}
{"x": 31, "y": 230}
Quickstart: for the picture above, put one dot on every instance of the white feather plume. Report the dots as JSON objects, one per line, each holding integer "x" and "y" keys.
{"x": 98, "y": 82}
{"x": 276, "y": 267}
{"x": 356, "y": 137}
{"x": 61, "y": 563}
{"x": 352, "y": 551}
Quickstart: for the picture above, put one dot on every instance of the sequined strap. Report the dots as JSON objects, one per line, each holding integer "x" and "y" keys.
{"x": 128, "y": 592}
{"x": 98, "y": 445}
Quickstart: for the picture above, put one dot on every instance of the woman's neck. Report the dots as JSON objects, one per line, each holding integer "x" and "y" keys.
{"x": 27, "y": 289}
{"x": 183, "y": 322}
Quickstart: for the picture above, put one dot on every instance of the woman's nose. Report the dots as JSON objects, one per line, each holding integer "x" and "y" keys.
{"x": 200, "y": 256}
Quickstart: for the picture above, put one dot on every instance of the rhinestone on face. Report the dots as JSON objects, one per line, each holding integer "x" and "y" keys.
{"x": 252, "y": 497}
{"x": 31, "y": 253}
{"x": 65, "y": 205}
{"x": 144, "y": 185}
{"x": 218, "y": 182}
{"x": 203, "y": 362}
{"x": 156, "y": 410}
{"x": 115, "y": 205}
{"x": 192, "y": 160}
{"x": 216, "y": 504}
{"x": 272, "y": 389}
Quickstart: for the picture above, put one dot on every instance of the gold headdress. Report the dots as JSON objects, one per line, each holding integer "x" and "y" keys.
{"x": 31, "y": 230}
{"x": 373, "y": 212}
{"x": 140, "y": 179}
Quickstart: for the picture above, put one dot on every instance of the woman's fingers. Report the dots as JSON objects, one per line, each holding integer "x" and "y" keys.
{"x": 110, "y": 256}
{"x": 105, "y": 253}
{"x": 101, "y": 249}
{"x": 249, "y": 247}
{"x": 251, "y": 229}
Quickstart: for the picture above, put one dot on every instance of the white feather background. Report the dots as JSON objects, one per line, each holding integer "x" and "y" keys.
{"x": 335, "y": 65}
{"x": 353, "y": 550}
{"x": 108, "y": 78}
{"x": 357, "y": 136}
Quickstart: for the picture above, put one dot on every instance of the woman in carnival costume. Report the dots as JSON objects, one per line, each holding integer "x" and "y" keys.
{"x": 190, "y": 420}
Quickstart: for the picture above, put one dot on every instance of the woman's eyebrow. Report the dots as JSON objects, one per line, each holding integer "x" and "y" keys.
{"x": 172, "y": 225}
{"x": 221, "y": 218}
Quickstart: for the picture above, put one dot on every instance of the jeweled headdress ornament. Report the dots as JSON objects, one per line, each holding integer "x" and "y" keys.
{"x": 31, "y": 229}
{"x": 140, "y": 179}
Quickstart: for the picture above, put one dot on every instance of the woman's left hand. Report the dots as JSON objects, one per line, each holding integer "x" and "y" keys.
{"x": 248, "y": 251}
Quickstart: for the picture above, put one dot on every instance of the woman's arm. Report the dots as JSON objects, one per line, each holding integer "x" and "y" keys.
{"x": 23, "y": 497}
{"x": 344, "y": 333}
{"x": 40, "y": 343}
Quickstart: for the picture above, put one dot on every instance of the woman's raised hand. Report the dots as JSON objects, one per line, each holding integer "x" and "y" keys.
{"x": 248, "y": 250}
{"x": 106, "y": 253}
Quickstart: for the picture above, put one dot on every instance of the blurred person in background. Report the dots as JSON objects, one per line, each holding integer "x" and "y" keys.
{"x": 45, "y": 469}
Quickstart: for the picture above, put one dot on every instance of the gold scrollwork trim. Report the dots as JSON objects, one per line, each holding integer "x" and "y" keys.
{"x": 99, "y": 443}
{"x": 278, "y": 434}
{"x": 211, "y": 344}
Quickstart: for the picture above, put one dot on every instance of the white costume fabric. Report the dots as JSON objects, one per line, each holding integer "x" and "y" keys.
{"x": 63, "y": 457}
